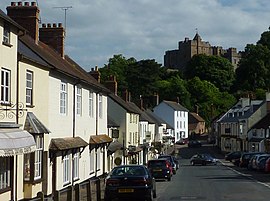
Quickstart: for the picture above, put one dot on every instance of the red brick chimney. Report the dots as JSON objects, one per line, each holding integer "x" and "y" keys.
{"x": 26, "y": 15}
{"x": 111, "y": 84}
{"x": 53, "y": 35}
{"x": 95, "y": 73}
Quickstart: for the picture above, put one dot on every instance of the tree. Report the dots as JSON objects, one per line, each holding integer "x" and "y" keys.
{"x": 117, "y": 67}
{"x": 210, "y": 101}
{"x": 254, "y": 69}
{"x": 174, "y": 88}
{"x": 217, "y": 70}
{"x": 265, "y": 39}
{"x": 141, "y": 78}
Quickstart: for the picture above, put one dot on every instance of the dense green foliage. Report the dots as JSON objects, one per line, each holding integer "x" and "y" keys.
{"x": 209, "y": 83}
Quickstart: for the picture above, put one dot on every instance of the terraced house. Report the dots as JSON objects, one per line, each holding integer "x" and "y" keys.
{"x": 62, "y": 109}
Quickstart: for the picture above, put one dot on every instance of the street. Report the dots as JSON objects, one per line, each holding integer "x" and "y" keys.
{"x": 212, "y": 182}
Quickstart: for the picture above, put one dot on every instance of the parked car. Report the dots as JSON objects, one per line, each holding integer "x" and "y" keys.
{"x": 160, "y": 169}
{"x": 233, "y": 155}
{"x": 171, "y": 160}
{"x": 130, "y": 181}
{"x": 182, "y": 141}
{"x": 202, "y": 159}
{"x": 176, "y": 162}
{"x": 245, "y": 158}
{"x": 256, "y": 160}
{"x": 194, "y": 143}
{"x": 267, "y": 166}
{"x": 262, "y": 163}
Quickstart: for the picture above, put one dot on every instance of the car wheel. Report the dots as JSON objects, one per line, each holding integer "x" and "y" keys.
{"x": 150, "y": 196}
{"x": 169, "y": 178}
{"x": 154, "y": 193}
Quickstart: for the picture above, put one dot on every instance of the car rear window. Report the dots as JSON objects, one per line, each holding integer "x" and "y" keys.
{"x": 156, "y": 164}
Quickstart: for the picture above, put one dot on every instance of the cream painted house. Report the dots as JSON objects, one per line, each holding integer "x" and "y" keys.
{"x": 15, "y": 143}
{"x": 65, "y": 111}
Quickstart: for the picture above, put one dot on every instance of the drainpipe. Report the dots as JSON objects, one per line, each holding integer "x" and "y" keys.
{"x": 97, "y": 121}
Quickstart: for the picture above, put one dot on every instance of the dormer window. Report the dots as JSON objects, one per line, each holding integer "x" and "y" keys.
{"x": 6, "y": 35}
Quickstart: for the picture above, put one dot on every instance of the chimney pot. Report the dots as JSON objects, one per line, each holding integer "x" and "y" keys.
{"x": 92, "y": 69}
{"x": 49, "y": 25}
{"x": 13, "y": 4}
{"x": 60, "y": 25}
{"x": 26, "y": 3}
{"x": 19, "y": 3}
{"x": 43, "y": 25}
{"x": 54, "y": 25}
{"x": 33, "y": 3}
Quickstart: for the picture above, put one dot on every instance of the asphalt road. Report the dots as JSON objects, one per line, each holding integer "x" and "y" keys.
{"x": 212, "y": 182}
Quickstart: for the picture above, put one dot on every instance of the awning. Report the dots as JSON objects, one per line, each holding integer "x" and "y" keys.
{"x": 100, "y": 139}
{"x": 34, "y": 125}
{"x": 59, "y": 144}
{"x": 114, "y": 146}
{"x": 15, "y": 141}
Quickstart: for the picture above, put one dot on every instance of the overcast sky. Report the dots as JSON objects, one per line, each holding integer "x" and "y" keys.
{"x": 145, "y": 29}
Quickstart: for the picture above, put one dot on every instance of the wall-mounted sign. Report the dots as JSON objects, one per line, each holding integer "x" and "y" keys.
{"x": 115, "y": 133}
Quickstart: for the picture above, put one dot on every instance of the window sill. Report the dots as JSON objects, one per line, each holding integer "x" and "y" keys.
{"x": 66, "y": 184}
{"x": 7, "y": 44}
{"x": 30, "y": 106}
{"x": 5, "y": 104}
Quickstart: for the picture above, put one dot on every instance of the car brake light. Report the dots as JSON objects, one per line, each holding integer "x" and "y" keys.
{"x": 112, "y": 182}
{"x": 142, "y": 182}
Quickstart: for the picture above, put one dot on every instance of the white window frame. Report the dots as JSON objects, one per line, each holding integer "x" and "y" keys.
{"x": 79, "y": 100}
{"x": 5, "y": 173}
{"x": 29, "y": 88}
{"x": 66, "y": 169}
{"x": 6, "y": 34}
{"x": 5, "y": 85}
{"x": 38, "y": 157}
{"x": 100, "y": 106}
{"x": 91, "y": 104}
{"x": 76, "y": 160}
{"x": 63, "y": 98}
{"x": 92, "y": 160}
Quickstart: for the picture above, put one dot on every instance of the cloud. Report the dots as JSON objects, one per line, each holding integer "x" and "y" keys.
{"x": 145, "y": 29}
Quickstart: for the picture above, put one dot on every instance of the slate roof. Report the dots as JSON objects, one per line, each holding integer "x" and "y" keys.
{"x": 175, "y": 106}
{"x": 123, "y": 103}
{"x": 34, "y": 125}
{"x": 111, "y": 122}
{"x": 248, "y": 111}
{"x": 264, "y": 123}
{"x": 158, "y": 120}
{"x": 143, "y": 115}
{"x": 45, "y": 55}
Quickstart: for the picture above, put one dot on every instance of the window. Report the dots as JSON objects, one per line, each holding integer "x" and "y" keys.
{"x": 98, "y": 158}
{"x": 63, "y": 98}
{"x": 79, "y": 100}
{"x": 4, "y": 172}
{"x": 29, "y": 88}
{"x": 91, "y": 104}
{"x": 66, "y": 169}
{"x": 5, "y": 86}
{"x": 76, "y": 158}
{"x": 38, "y": 157}
{"x": 100, "y": 106}
{"x": 6, "y": 35}
{"x": 92, "y": 160}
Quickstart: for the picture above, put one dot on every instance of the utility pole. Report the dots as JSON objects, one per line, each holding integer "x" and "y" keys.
{"x": 65, "y": 8}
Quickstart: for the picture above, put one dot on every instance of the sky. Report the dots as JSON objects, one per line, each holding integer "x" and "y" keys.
{"x": 145, "y": 29}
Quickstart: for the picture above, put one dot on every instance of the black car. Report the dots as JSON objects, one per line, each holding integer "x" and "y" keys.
{"x": 160, "y": 169}
{"x": 171, "y": 160}
{"x": 233, "y": 155}
{"x": 194, "y": 143}
{"x": 130, "y": 181}
{"x": 202, "y": 159}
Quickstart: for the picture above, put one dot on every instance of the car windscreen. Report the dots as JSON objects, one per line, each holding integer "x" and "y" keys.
{"x": 152, "y": 164}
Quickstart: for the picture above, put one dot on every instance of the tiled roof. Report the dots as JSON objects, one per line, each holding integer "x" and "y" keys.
{"x": 264, "y": 123}
{"x": 194, "y": 118}
{"x": 59, "y": 144}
